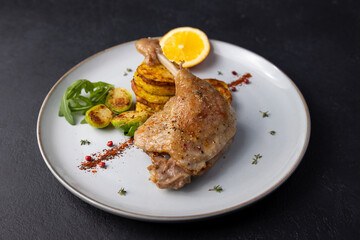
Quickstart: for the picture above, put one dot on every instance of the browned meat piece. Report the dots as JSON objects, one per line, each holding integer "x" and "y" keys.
{"x": 149, "y": 48}
{"x": 165, "y": 172}
{"x": 193, "y": 128}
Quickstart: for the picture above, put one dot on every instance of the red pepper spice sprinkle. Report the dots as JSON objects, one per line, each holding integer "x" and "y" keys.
{"x": 88, "y": 158}
{"x": 107, "y": 154}
{"x": 110, "y": 143}
{"x": 234, "y": 73}
{"x": 240, "y": 80}
{"x": 233, "y": 89}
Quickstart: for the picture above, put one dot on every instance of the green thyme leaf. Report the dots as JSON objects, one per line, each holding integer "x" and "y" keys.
{"x": 272, "y": 132}
{"x": 220, "y": 73}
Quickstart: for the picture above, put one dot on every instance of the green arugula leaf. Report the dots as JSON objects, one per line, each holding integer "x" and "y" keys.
{"x": 73, "y": 99}
{"x": 65, "y": 109}
{"x": 131, "y": 131}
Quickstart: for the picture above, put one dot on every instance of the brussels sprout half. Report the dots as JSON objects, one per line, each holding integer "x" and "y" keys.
{"x": 118, "y": 100}
{"x": 130, "y": 121}
{"x": 98, "y": 116}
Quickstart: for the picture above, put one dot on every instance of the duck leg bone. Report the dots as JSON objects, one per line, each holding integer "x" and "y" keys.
{"x": 169, "y": 65}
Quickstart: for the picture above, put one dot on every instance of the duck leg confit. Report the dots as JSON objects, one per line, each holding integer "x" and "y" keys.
{"x": 192, "y": 131}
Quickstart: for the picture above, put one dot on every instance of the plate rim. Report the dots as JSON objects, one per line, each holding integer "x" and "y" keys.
{"x": 147, "y": 217}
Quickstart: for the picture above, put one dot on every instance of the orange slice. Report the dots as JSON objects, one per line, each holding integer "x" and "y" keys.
{"x": 187, "y": 44}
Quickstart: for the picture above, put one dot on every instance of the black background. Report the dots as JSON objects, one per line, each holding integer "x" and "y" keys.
{"x": 317, "y": 43}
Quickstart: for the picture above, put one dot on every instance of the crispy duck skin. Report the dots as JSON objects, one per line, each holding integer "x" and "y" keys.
{"x": 195, "y": 127}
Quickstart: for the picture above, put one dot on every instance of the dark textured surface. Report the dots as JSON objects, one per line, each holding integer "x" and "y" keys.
{"x": 317, "y": 43}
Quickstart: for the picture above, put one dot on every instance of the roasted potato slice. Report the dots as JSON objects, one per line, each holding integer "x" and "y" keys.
{"x": 154, "y": 89}
{"x": 147, "y": 96}
{"x": 142, "y": 107}
{"x": 221, "y": 87}
{"x": 155, "y": 107}
{"x": 155, "y": 75}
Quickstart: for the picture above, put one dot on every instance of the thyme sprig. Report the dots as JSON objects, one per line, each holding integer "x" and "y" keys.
{"x": 216, "y": 188}
{"x": 265, "y": 114}
{"x": 256, "y": 158}
{"x": 84, "y": 142}
{"x": 127, "y": 70}
{"x": 122, "y": 192}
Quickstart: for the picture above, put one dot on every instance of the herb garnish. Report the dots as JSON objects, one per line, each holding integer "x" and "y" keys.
{"x": 127, "y": 70}
{"x": 220, "y": 73}
{"x": 84, "y": 142}
{"x": 272, "y": 132}
{"x": 257, "y": 157}
{"x": 265, "y": 114}
{"x": 74, "y": 101}
{"x": 216, "y": 188}
{"x": 122, "y": 192}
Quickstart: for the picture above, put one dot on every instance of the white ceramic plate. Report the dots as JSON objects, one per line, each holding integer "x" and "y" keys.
{"x": 243, "y": 183}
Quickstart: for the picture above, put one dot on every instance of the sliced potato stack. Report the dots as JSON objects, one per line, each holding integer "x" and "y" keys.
{"x": 155, "y": 85}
